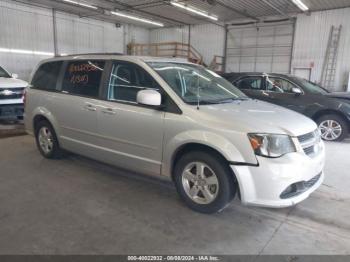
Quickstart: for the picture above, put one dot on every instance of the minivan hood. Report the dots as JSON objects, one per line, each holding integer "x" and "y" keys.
{"x": 254, "y": 116}
{"x": 12, "y": 82}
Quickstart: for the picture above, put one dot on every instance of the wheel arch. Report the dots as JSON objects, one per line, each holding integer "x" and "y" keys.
{"x": 42, "y": 114}
{"x": 37, "y": 119}
{"x": 195, "y": 146}
{"x": 323, "y": 112}
{"x": 208, "y": 141}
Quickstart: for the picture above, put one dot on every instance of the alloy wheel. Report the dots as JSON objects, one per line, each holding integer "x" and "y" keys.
{"x": 330, "y": 130}
{"x": 200, "y": 183}
{"x": 45, "y": 140}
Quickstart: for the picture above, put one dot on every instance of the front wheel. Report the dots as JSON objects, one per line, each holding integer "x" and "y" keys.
{"x": 332, "y": 127}
{"x": 204, "y": 182}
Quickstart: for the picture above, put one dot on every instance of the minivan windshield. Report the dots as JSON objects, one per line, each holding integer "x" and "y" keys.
{"x": 195, "y": 84}
{"x": 3, "y": 73}
{"x": 311, "y": 87}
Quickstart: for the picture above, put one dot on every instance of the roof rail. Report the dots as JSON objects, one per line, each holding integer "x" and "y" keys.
{"x": 89, "y": 54}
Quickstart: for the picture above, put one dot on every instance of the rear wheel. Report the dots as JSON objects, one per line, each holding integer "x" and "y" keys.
{"x": 204, "y": 182}
{"x": 332, "y": 127}
{"x": 46, "y": 140}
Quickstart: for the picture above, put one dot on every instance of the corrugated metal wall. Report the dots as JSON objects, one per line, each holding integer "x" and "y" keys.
{"x": 31, "y": 28}
{"x": 75, "y": 35}
{"x": 136, "y": 34}
{"x": 311, "y": 39}
{"x": 208, "y": 39}
{"x": 24, "y": 28}
{"x": 171, "y": 34}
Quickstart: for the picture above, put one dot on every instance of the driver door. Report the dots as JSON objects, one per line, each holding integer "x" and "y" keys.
{"x": 130, "y": 134}
{"x": 280, "y": 93}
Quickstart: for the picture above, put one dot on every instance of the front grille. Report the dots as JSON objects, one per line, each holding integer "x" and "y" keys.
{"x": 309, "y": 142}
{"x": 11, "y": 111}
{"x": 299, "y": 187}
{"x": 11, "y": 93}
{"x": 306, "y": 137}
{"x": 309, "y": 150}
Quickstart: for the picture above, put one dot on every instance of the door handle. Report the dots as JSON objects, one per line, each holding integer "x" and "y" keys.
{"x": 108, "y": 111}
{"x": 90, "y": 107}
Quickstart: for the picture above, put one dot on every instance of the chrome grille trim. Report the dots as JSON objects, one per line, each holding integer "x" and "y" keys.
{"x": 11, "y": 93}
{"x": 309, "y": 141}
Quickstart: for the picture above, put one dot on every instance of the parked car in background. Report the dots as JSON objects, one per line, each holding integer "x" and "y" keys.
{"x": 11, "y": 96}
{"x": 331, "y": 111}
{"x": 175, "y": 119}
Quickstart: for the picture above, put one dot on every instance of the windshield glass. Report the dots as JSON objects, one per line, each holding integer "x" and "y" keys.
{"x": 3, "y": 73}
{"x": 196, "y": 84}
{"x": 311, "y": 87}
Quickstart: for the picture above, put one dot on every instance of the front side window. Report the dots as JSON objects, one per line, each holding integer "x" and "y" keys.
{"x": 312, "y": 87}
{"x": 46, "y": 76}
{"x": 279, "y": 85}
{"x": 3, "y": 73}
{"x": 250, "y": 83}
{"x": 83, "y": 77}
{"x": 126, "y": 80}
{"x": 195, "y": 84}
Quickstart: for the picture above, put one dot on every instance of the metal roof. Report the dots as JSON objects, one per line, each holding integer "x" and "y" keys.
{"x": 162, "y": 11}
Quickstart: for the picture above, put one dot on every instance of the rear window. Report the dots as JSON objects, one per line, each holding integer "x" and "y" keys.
{"x": 46, "y": 76}
{"x": 83, "y": 77}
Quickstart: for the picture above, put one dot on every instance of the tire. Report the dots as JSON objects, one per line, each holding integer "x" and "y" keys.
{"x": 336, "y": 123}
{"x": 211, "y": 195}
{"x": 48, "y": 146}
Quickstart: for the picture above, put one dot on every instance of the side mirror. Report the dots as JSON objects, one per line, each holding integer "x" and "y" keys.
{"x": 149, "y": 97}
{"x": 15, "y": 76}
{"x": 297, "y": 91}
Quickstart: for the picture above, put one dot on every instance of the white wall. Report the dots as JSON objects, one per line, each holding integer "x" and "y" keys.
{"x": 31, "y": 28}
{"x": 136, "y": 34}
{"x": 75, "y": 35}
{"x": 208, "y": 39}
{"x": 170, "y": 34}
{"x": 310, "y": 43}
{"x": 24, "y": 28}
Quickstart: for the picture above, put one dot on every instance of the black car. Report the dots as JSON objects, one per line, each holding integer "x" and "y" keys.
{"x": 331, "y": 111}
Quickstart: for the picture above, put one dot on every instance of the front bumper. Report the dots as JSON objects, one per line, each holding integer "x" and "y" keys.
{"x": 11, "y": 112}
{"x": 280, "y": 182}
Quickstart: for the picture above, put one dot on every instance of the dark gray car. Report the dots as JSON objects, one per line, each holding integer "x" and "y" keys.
{"x": 331, "y": 111}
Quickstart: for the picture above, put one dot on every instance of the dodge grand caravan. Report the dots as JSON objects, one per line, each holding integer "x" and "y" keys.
{"x": 178, "y": 120}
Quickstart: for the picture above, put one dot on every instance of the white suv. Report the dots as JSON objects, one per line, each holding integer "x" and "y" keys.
{"x": 170, "y": 118}
{"x": 11, "y": 96}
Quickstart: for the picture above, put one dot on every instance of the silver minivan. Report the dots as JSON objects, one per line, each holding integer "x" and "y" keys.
{"x": 171, "y": 118}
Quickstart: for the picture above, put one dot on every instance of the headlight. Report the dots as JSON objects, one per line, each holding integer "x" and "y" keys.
{"x": 269, "y": 145}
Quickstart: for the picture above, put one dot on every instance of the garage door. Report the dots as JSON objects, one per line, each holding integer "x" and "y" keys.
{"x": 265, "y": 48}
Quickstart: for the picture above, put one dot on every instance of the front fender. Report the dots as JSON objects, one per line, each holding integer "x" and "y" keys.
{"x": 206, "y": 138}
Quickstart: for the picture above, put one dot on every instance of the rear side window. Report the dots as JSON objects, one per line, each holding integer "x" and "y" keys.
{"x": 83, "y": 77}
{"x": 252, "y": 83}
{"x": 46, "y": 76}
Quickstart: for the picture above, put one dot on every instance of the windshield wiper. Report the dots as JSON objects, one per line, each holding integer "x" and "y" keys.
{"x": 219, "y": 101}
{"x": 229, "y": 100}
